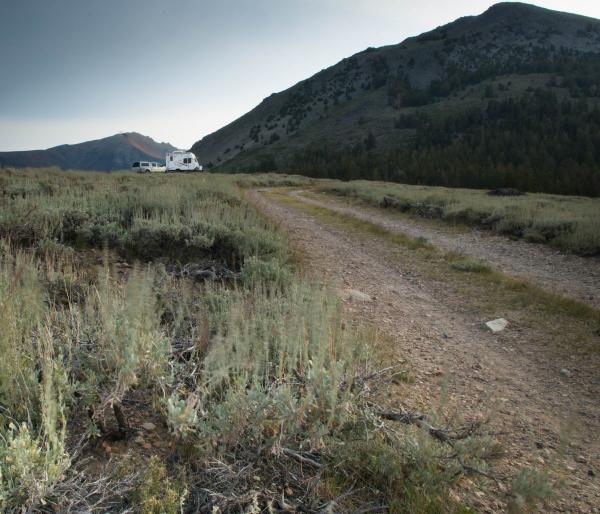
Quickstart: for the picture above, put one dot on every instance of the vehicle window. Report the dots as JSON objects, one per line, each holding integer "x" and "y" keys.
{"x": 171, "y": 158}
{"x": 136, "y": 165}
{"x": 145, "y": 164}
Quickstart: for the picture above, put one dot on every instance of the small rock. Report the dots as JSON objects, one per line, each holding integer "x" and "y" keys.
{"x": 355, "y": 294}
{"x": 539, "y": 444}
{"x": 148, "y": 426}
{"x": 139, "y": 440}
{"x": 497, "y": 325}
{"x": 565, "y": 372}
{"x": 581, "y": 459}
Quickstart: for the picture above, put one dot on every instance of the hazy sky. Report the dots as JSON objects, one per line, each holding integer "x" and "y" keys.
{"x": 176, "y": 70}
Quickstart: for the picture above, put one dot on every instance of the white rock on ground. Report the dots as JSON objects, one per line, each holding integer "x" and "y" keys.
{"x": 497, "y": 325}
{"x": 354, "y": 294}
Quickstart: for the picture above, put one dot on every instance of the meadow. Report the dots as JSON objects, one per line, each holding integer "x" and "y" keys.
{"x": 161, "y": 353}
{"x": 565, "y": 222}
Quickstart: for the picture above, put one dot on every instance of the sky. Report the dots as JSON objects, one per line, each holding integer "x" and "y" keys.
{"x": 177, "y": 70}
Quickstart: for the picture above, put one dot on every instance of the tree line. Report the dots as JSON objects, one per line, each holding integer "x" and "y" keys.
{"x": 534, "y": 143}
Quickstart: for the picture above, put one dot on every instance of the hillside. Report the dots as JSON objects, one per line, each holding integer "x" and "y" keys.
{"x": 110, "y": 153}
{"x": 506, "y": 98}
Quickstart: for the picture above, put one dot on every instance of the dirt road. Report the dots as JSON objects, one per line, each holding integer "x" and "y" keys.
{"x": 562, "y": 273}
{"x": 532, "y": 405}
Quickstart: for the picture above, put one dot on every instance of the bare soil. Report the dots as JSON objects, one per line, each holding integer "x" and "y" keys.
{"x": 459, "y": 366}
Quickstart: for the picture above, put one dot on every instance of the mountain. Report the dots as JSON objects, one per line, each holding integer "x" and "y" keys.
{"x": 508, "y": 98}
{"x": 110, "y": 153}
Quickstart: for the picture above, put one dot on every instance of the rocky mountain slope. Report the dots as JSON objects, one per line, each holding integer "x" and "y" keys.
{"x": 387, "y": 107}
{"x": 110, "y": 153}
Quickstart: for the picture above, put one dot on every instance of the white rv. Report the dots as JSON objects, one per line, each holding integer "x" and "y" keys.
{"x": 180, "y": 160}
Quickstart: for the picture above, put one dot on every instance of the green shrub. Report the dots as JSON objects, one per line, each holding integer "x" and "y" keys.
{"x": 271, "y": 273}
{"x": 529, "y": 488}
{"x": 157, "y": 493}
{"x": 126, "y": 344}
{"x": 33, "y": 388}
{"x": 470, "y": 266}
{"x": 411, "y": 474}
{"x": 286, "y": 359}
{"x": 22, "y": 311}
{"x": 175, "y": 217}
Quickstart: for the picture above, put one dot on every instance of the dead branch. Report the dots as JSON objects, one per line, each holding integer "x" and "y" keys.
{"x": 417, "y": 419}
{"x": 470, "y": 470}
{"x": 302, "y": 458}
{"x": 444, "y": 436}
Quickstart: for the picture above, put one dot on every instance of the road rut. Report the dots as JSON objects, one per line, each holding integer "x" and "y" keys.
{"x": 565, "y": 274}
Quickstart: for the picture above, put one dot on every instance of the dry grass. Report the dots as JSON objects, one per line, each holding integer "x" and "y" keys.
{"x": 566, "y": 222}
{"x": 173, "y": 290}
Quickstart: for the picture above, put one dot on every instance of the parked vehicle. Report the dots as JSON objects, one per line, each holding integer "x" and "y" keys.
{"x": 148, "y": 167}
{"x": 180, "y": 160}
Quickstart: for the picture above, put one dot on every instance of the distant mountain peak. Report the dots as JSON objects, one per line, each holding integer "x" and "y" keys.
{"x": 511, "y": 7}
{"x": 114, "y": 152}
{"x": 512, "y": 10}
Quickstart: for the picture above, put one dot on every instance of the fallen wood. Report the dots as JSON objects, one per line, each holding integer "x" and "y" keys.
{"x": 302, "y": 458}
{"x": 417, "y": 419}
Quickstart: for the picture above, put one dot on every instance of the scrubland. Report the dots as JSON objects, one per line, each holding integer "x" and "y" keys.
{"x": 162, "y": 353}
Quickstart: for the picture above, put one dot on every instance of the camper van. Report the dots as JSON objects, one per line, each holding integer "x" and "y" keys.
{"x": 180, "y": 160}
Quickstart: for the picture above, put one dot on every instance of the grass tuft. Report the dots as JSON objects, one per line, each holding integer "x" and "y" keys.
{"x": 470, "y": 266}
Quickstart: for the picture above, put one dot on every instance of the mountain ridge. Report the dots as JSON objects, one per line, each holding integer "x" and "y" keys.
{"x": 359, "y": 100}
{"x": 106, "y": 154}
